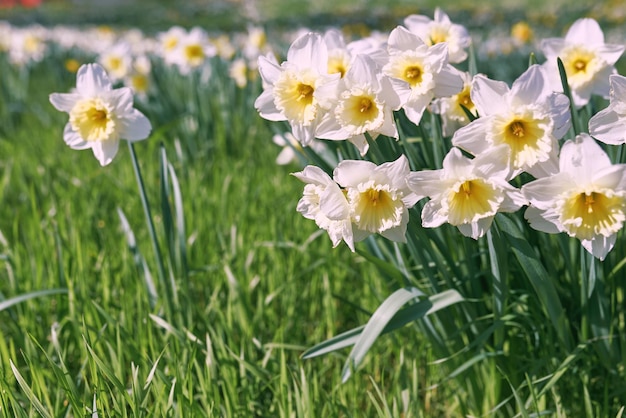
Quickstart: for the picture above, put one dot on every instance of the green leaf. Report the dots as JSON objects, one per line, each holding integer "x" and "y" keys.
{"x": 398, "y": 319}
{"x": 29, "y": 393}
{"x": 539, "y": 278}
{"x": 31, "y": 295}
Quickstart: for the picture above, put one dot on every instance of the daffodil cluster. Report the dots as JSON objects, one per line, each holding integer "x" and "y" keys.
{"x": 332, "y": 90}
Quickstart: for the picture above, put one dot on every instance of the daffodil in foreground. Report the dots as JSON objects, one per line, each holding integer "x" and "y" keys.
{"x": 99, "y": 115}
{"x": 466, "y": 193}
{"x": 609, "y": 125}
{"x": 364, "y": 105}
{"x": 378, "y": 197}
{"x": 528, "y": 118}
{"x": 292, "y": 89}
{"x": 586, "y": 199}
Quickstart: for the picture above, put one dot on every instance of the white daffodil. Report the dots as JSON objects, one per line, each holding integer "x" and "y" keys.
{"x": 586, "y": 199}
{"x": 378, "y": 197}
{"x": 339, "y": 57}
{"x": 529, "y": 118}
{"x": 364, "y": 104}
{"x": 99, "y": 115}
{"x": 587, "y": 60}
{"x": 117, "y": 61}
{"x": 419, "y": 73}
{"x": 325, "y": 203}
{"x": 292, "y": 89}
{"x": 609, "y": 125}
{"x": 441, "y": 29}
{"x": 451, "y": 108}
{"x": 193, "y": 50}
{"x": 466, "y": 193}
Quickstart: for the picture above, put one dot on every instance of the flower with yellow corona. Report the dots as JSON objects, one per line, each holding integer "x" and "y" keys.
{"x": 528, "y": 118}
{"x": 586, "y": 199}
{"x": 587, "y": 60}
{"x": 364, "y": 105}
{"x": 100, "y": 116}
{"x": 378, "y": 197}
{"x": 292, "y": 89}
{"x": 440, "y": 30}
{"x": 466, "y": 193}
{"x": 418, "y": 72}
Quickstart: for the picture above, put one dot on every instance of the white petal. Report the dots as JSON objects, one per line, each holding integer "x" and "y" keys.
{"x": 349, "y": 173}
{"x": 92, "y": 80}
{"x": 264, "y": 104}
{"x": 432, "y": 216}
{"x": 313, "y": 174}
{"x": 136, "y": 126}
{"x": 64, "y": 101}
{"x": 471, "y": 137}
{"x": 333, "y": 203}
{"x": 530, "y": 87}
{"x": 309, "y": 51}
{"x": 447, "y": 82}
{"x": 585, "y": 32}
{"x": 489, "y": 96}
{"x": 537, "y": 220}
{"x": 609, "y": 127}
{"x": 401, "y": 39}
{"x": 105, "y": 151}
{"x": 269, "y": 69}
{"x": 600, "y": 245}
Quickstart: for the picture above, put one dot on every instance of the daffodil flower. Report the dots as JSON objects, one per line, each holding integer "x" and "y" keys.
{"x": 325, "y": 203}
{"x": 439, "y": 30}
{"x": 587, "y": 60}
{"x": 364, "y": 104}
{"x": 528, "y": 118}
{"x": 99, "y": 115}
{"x": 466, "y": 193}
{"x": 609, "y": 125}
{"x": 291, "y": 90}
{"x": 586, "y": 199}
{"x": 418, "y": 72}
{"x": 378, "y": 197}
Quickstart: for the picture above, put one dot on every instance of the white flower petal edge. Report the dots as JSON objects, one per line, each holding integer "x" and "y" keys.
{"x": 609, "y": 125}
{"x": 100, "y": 116}
{"x": 324, "y": 202}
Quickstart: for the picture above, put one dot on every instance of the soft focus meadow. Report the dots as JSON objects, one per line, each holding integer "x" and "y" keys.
{"x": 329, "y": 209}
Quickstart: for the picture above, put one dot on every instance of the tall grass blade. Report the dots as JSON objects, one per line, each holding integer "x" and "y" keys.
{"x": 31, "y": 295}
{"x": 36, "y": 403}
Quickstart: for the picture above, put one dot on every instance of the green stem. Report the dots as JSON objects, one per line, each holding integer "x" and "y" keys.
{"x": 151, "y": 230}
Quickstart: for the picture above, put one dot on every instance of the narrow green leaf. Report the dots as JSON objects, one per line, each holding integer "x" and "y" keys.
{"x": 140, "y": 262}
{"x": 567, "y": 91}
{"x": 31, "y": 295}
{"x": 416, "y": 311}
{"x": 376, "y": 325}
{"x": 539, "y": 278}
{"x": 29, "y": 393}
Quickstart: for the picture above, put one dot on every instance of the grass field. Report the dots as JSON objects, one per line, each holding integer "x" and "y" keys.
{"x": 90, "y": 321}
